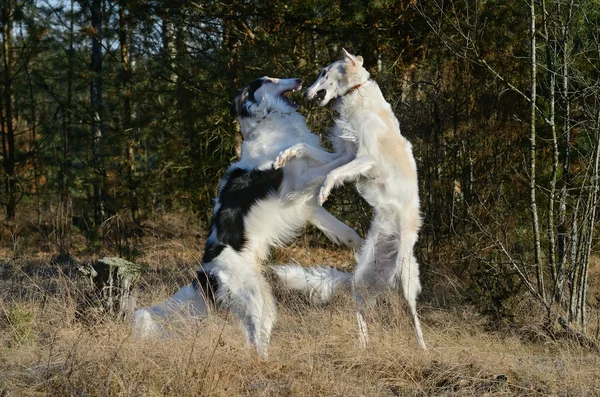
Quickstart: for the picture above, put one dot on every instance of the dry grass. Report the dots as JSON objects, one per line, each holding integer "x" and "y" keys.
{"x": 50, "y": 345}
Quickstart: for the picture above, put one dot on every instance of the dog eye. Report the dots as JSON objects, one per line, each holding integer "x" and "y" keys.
{"x": 323, "y": 73}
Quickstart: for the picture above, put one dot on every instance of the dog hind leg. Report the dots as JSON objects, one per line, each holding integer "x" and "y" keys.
{"x": 409, "y": 271}
{"x": 377, "y": 267}
{"x": 251, "y": 300}
{"x": 363, "y": 333}
{"x": 367, "y": 284}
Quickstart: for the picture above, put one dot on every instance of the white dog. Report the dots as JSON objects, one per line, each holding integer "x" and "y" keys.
{"x": 257, "y": 207}
{"x": 385, "y": 172}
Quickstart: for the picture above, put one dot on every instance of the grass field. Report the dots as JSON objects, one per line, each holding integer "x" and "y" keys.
{"x": 51, "y": 343}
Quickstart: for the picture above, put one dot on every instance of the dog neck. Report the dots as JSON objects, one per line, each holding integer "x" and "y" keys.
{"x": 356, "y": 87}
{"x": 262, "y": 142}
{"x": 367, "y": 97}
{"x": 251, "y": 127}
{"x": 248, "y": 134}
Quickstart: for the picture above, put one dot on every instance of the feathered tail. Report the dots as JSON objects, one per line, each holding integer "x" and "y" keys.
{"x": 320, "y": 283}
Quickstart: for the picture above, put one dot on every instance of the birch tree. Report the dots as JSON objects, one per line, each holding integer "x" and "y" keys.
{"x": 571, "y": 200}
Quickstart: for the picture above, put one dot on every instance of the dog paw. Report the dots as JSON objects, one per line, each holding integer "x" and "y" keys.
{"x": 282, "y": 159}
{"x": 324, "y": 192}
{"x": 287, "y": 155}
{"x": 354, "y": 241}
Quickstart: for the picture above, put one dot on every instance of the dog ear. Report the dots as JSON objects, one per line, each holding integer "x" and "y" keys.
{"x": 354, "y": 60}
{"x": 347, "y": 56}
{"x": 239, "y": 107}
{"x": 244, "y": 111}
{"x": 239, "y": 111}
{"x": 235, "y": 103}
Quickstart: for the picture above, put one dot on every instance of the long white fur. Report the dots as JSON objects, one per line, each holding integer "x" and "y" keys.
{"x": 274, "y": 126}
{"x": 385, "y": 173}
{"x": 320, "y": 282}
{"x": 186, "y": 302}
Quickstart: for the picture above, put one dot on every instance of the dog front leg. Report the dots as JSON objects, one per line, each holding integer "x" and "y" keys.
{"x": 317, "y": 175}
{"x": 351, "y": 171}
{"x": 334, "y": 229}
{"x": 304, "y": 150}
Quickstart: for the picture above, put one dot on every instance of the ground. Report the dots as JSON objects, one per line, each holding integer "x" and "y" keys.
{"x": 53, "y": 343}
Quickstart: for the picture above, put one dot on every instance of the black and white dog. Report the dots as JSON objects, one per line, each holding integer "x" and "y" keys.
{"x": 257, "y": 207}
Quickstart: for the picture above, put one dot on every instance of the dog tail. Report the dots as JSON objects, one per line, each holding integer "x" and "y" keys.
{"x": 320, "y": 283}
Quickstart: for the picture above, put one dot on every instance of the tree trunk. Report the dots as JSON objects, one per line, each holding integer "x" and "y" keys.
{"x": 590, "y": 220}
{"x": 533, "y": 151}
{"x": 127, "y": 125}
{"x": 9, "y": 132}
{"x": 564, "y": 238}
{"x": 98, "y": 177}
{"x": 32, "y": 141}
{"x": 114, "y": 280}
{"x": 63, "y": 219}
{"x": 555, "y": 153}
{"x": 168, "y": 41}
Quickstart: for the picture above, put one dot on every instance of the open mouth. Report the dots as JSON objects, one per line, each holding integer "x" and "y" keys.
{"x": 320, "y": 95}
{"x": 285, "y": 96}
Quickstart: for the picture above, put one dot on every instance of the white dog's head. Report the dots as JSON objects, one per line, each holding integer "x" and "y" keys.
{"x": 265, "y": 95}
{"x": 338, "y": 78}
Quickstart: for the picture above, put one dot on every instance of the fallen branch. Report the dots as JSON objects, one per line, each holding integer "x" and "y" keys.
{"x": 579, "y": 337}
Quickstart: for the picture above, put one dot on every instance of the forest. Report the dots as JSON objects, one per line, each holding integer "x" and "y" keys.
{"x": 116, "y": 127}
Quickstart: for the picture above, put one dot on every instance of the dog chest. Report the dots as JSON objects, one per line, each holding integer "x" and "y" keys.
{"x": 242, "y": 189}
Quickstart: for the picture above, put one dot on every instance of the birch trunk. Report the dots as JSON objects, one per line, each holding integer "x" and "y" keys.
{"x": 555, "y": 153}
{"x": 564, "y": 238}
{"x": 533, "y": 151}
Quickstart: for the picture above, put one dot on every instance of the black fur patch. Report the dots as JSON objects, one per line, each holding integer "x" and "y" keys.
{"x": 207, "y": 283}
{"x": 245, "y": 95}
{"x": 252, "y": 87}
{"x": 212, "y": 248}
{"x": 242, "y": 190}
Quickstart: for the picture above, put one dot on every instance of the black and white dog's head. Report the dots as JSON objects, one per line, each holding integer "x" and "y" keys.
{"x": 338, "y": 79}
{"x": 265, "y": 95}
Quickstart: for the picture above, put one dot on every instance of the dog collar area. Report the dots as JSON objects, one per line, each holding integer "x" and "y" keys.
{"x": 356, "y": 87}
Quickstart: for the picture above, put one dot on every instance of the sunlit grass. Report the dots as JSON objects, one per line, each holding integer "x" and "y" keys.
{"x": 51, "y": 343}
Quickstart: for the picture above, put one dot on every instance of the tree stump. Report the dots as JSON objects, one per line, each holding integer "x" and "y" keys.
{"x": 114, "y": 280}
